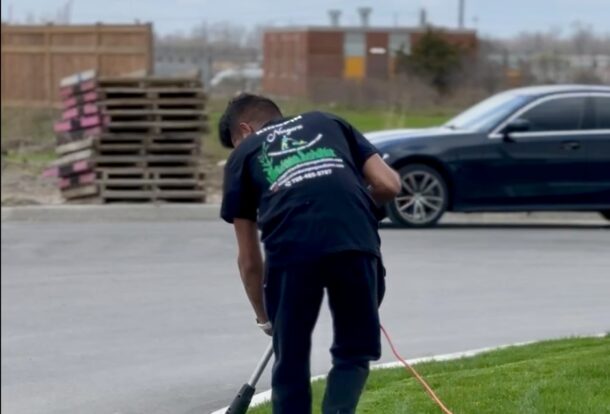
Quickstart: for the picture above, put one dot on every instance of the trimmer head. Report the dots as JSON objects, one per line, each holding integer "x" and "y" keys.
{"x": 242, "y": 400}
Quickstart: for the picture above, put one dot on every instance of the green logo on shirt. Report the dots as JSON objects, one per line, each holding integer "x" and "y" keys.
{"x": 273, "y": 171}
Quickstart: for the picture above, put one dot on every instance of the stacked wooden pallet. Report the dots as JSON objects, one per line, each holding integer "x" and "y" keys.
{"x": 130, "y": 139}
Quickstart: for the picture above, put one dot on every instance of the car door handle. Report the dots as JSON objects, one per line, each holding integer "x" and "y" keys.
{"x": 570, "y": 145}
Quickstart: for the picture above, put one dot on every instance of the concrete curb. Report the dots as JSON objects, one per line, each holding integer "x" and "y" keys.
{"x": 112, "y": 212}
{"x": 205, "y": 212}
{"x": 263, "y": 397}
{"x": 531, "y": 218}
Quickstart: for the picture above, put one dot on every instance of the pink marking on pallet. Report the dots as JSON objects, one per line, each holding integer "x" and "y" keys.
{"x": 83, "y": 165}
{"x": 62, "y": 126}
{"x": 90, "y": 109}
{"x": 70, "y": 113}
{"x": 90, "y": 121}
{"x": 66, "y": 92}
{"x": 90, "y": 97}
{"x": 72, "y": 90}
{"x": 88, "y": 85}
{"x": 81, "y": 179}
{"x": 51, "y": 172}
{"x": 69, "y": 103}
{"x": 75, "y": 112}
{"x": 87, "y": 178}
{"x": 64, "y": 183}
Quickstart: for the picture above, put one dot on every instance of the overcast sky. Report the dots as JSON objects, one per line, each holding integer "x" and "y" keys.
{"x": 499, "y": 18}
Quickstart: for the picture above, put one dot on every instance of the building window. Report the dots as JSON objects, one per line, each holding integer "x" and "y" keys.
{"x": 354, "y": 44}
{"x": 400, "y": 42}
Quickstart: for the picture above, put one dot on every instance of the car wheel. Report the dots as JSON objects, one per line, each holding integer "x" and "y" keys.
{"x": 606, "y": 214}
{"x": 423, "y": 198}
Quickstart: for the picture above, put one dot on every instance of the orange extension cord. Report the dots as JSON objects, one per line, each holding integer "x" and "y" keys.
{"x": 418, "y": 377}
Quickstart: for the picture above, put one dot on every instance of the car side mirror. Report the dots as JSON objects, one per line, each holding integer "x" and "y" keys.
{"x": 516, "y": 125}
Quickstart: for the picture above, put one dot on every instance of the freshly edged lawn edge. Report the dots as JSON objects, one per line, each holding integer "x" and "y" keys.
{"x": 566, "y": 376}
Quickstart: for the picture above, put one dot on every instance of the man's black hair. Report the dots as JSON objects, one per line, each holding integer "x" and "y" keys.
{"x": 245, "y": 107}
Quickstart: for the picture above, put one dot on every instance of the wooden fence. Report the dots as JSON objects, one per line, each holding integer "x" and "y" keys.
{"x": 36, "y": 58}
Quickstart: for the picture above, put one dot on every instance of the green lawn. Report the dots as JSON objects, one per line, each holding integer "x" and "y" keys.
{"x": 570, "y": 376}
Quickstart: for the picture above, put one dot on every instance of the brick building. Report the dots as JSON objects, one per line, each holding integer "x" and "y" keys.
{"x": 294, "y": 59}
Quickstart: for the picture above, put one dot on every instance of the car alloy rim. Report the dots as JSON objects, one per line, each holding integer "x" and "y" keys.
{"x": 422, "y": 197}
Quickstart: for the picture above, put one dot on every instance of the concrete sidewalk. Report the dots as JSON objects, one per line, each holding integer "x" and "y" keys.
{"x": 206, "y": 212}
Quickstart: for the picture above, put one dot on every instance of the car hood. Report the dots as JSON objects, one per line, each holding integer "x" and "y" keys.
{"x": 378, "y": 137}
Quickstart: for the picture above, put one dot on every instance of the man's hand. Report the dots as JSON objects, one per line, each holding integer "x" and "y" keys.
{"x": 250, "y": 262}
{"x": 265, "y": 327}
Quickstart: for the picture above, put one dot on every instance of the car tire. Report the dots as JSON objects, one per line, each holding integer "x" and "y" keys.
{"x": 606, "y": 214}
{"x": 423, "y": 200}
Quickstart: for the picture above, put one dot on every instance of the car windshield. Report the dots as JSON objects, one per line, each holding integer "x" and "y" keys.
{"x": 488, "y": 113}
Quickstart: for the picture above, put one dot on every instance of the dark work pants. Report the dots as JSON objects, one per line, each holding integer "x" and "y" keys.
{"x": 355, "y": 285}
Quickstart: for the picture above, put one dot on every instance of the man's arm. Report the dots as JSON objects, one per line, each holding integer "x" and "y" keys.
{"x": 250, "y": 262}
{"x": 384, "y": 181}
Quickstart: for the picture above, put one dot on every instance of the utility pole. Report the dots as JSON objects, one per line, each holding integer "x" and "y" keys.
{"x": 423, "y": 18}
{"x": 68, "y": 11}
{"x": 461, "y": 14}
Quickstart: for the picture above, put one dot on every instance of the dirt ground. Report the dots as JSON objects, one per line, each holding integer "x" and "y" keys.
{"x": 23, "y": 184}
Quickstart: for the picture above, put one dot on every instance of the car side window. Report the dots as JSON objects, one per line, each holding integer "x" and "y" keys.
{"x": 560, "y": 114}
{"x": 601, "y": 108}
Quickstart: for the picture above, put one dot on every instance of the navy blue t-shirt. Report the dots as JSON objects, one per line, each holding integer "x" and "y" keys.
{"x": 301, "y": 180}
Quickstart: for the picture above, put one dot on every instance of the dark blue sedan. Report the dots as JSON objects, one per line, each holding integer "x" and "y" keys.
{"x": 543, "y": 148}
